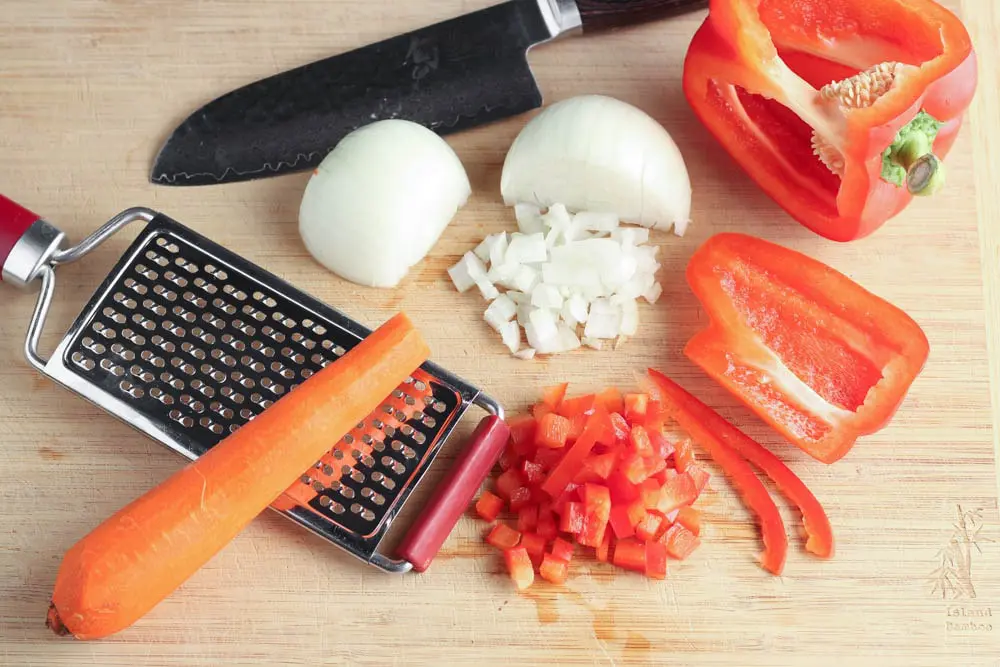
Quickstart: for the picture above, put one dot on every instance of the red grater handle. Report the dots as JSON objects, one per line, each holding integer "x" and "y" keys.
{"x": 14, "y": 222}
{"x": 455, "y": 493}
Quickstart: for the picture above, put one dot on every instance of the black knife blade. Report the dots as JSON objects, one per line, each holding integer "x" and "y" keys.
{"x": 451, "y": 76}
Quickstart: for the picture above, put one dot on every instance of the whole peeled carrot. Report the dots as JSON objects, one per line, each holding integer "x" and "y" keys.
{"x": 135, "y": 559}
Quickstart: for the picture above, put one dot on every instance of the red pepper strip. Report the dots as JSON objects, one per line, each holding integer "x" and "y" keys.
{"x": 819, "y": 535}
{"x": 566, "y": 469}
{"x": 753, "y": 73}
{"x": 813, "y": 353}
{"x": 679, "y": 404}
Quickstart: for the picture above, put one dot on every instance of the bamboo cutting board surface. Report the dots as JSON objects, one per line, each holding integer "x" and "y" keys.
{"x": 89, "y": 89}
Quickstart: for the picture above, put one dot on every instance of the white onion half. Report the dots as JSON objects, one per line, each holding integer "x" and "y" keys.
{"x": 380, "y": 200}
{"x": 599, "y": 155}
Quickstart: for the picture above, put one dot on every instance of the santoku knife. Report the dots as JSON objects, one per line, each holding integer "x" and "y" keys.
{"x": 450, "y": 76}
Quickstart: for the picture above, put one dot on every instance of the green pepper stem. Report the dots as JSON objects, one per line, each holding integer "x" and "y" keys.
{"x": 924, "y": 171}
{"x": 925, "y": 175}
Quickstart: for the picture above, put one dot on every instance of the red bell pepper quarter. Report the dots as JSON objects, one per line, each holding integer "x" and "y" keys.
{"x": 840, "y": 111}
{"x": 719, "y": 437}
{"x": 520, "y": 568}
{"x": 813, "y": 353}
{"x": 489, "y": 506}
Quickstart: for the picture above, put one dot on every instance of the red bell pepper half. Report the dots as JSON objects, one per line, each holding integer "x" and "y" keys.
{"x": 813, "y": 353}
{"x": 839, "y": 110}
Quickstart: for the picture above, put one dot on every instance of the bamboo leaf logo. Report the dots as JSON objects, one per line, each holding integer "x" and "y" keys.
{"x": 952, "y": 579}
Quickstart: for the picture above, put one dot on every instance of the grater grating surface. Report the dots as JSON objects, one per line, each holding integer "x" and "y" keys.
{"x": 188, "y": 341}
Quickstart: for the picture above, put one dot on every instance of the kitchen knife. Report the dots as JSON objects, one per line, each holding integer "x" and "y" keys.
{"x": 451, "y": 76}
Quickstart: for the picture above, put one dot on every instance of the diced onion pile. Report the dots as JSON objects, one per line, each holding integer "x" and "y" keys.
{"x": 566, "y": 279}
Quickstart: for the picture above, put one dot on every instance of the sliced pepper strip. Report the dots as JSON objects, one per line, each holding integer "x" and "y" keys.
{"x": 758, "y": 74}
{"x": 682, "y": 407}
{"x": 819, "y": 534}
{"x": 813, "y": 353}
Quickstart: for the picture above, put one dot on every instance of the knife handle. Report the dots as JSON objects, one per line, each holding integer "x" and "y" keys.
{"x": 604, "y": 14}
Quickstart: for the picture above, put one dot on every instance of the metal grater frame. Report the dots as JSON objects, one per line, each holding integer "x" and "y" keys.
{"x": 186, "y": 341}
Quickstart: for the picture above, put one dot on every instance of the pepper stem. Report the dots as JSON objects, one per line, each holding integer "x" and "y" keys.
{"x": 925, "y": 175}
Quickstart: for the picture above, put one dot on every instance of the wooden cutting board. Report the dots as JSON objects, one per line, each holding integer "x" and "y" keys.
{"x": 89, "y": 89}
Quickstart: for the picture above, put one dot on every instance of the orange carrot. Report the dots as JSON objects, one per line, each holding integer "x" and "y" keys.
{"x": 135, "y": 559}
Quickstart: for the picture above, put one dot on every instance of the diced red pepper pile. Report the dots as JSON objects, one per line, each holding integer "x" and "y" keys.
{"x": 598, "y": 471}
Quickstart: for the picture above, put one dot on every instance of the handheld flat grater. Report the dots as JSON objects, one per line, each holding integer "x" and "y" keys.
{"x": 187, "y": 341}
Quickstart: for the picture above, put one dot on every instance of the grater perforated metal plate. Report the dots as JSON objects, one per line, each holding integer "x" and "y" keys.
{"x": 187, "y": 341}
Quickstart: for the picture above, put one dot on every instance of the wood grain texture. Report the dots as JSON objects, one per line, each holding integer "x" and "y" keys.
{"x": 90, "y": 88}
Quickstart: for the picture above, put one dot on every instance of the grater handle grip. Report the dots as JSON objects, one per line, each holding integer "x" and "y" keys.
{"x": 455, "y": 493}
{"x": 14, "y": 222}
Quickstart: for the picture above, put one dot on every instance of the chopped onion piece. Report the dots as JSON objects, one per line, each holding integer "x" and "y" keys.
{"x": 525, "y": 279}
{"x": 578, "y": 307}
{"x": 547, "y": 296}
{"x": 652, "y": 295}
{"x": 529, "y": 218}
{"x": 527, "y": 249}
{"x": 503, "y": 274}
{"x": 487, "y": 289}
{"x": 567, "y": 339}
{"x": 605, "y": 320}
{"x": 466, "y": 272}
{"x": 518, "y": 297}
{"x": 557, "y": 217}
{"x": 524, "y": 314}
{"x": 527, "y": 353}
{"x": 498, "y": 251}
{"x": 631, "y": 236}
{"x": 593, "y": 343}
{"x": 500, "y": 312}
{"x": 482, "y": 250}
{"x": 630, "y": 316}
{"x": 510, "y": 334}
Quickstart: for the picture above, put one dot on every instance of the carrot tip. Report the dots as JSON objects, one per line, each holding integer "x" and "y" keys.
{"x": 54, "y": 623}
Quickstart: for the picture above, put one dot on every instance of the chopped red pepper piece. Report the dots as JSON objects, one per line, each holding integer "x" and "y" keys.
{"x": 519, "y": 498}
{"x": 554, "y": 570}
{"x": 621, "y": 522}
{"x": 578, "y": 405}
{"x": 650, "y": 493}
{"x": 508, "y": 459}
{"x": 520, "y": 568}
{"x": 548, "y": 458}
{"x": 539, "y": 410}
{"x": 700, "y": 477}
{"x": 534, "y": 544}
{"x": 684, "y": 455}
{"x": 634, "y": 467}
{"x": 603, "y": 551}
{"x": 680, "y": 541}
{"x": 596, "y": 512}
{"x": 685, "y": 409}
{"x": 758, "y": 74}
{"x": 564, "y": 471}
{"x": 507, "y": 482}
{"x": 571, "y": 520}
{"x": 576, "y": 426}
{"x": 690, "y": 518}
{"x": 630, "y": 554}
{"x": 489, "y": 506}
{"x": 547, "y": 525}
{"x": 568, "y": 494}
{"x": 620, "y": 426}
{"x": 611, "y": 399}
{"x": 656, "y": 560}
{"x": 532, "y": 472}
{"x": 553, "y": 431}
{"x": 602, "y": 465}
{"x": 810, "y": 351}
{"x": 635, "y": 407}
{"x": 647, "y": 529}
{"x": 562, "y": 549}
{"x": 527, "y": 519}
{"x": 662, "y": 447}
{"x": 641, "y": 443}
{"x": 553, "y": 396}
{"x": 622, "y": 490}
{"x": 503, "y": 536}
{"x": 522, "y": 434}
{"x": 679, "y": 490}
{"x": 656, "y": 418}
